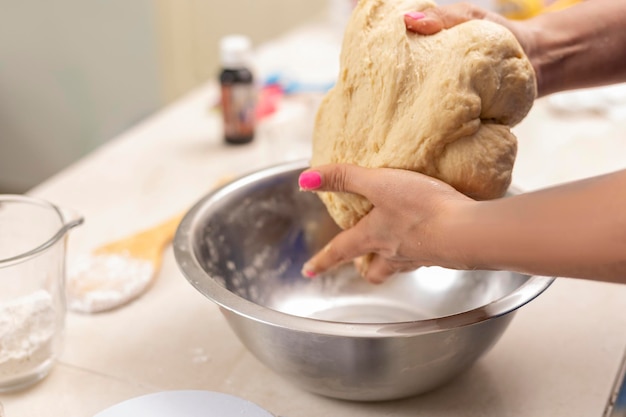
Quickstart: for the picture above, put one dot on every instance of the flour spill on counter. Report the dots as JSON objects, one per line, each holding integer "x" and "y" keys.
{"x": 27, "y": 329}
{"x": 103, "y": 282}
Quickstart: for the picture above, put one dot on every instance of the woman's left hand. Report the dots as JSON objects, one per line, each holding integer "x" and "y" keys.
{"x": 408, "y": 227}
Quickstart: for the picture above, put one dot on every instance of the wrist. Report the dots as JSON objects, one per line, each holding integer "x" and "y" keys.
{"x": 582, "y": 46}
{"x": 533, "y": 43}
{"x": 552, "y": 51}
{"x": 460, "y": 237}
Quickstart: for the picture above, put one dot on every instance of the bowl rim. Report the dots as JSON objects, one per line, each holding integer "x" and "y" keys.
{"x": 226, "y": 300}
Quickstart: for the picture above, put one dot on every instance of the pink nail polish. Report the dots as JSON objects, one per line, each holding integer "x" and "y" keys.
{"x": 310, "y": 180}
{"x": 415, "y": 15}
{"x": 308, "y": 273}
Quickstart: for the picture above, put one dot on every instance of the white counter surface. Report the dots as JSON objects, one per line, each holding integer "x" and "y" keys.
{"x": 559, "y": 357}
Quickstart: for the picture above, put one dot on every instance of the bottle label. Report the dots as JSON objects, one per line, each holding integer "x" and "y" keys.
{"x": 238, "y": 107}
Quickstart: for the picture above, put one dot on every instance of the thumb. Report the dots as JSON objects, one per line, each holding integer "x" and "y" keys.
{"x": 434, "y": 20}
{"x": 336, "y": 178}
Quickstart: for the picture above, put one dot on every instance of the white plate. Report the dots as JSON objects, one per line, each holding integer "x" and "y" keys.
{"x": 185, "y": 404}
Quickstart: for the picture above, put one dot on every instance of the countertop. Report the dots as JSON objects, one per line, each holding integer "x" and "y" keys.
{"x": 559, "y": 357}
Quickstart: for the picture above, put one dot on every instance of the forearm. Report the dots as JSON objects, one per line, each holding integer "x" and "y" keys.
{"x": 576, "y": 230}
{"x": 583, "y": 46}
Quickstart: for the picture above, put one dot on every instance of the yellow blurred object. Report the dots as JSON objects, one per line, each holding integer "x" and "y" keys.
{"x": 519, "y": 9}
{"x": 525, "y": 9}
{"x": 560, "y": 5}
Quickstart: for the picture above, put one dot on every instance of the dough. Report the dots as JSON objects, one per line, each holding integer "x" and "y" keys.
{"x": 441, "y": 104}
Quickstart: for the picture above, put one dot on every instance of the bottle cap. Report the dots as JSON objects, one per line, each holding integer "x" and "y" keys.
{"x": 235, "y": 51}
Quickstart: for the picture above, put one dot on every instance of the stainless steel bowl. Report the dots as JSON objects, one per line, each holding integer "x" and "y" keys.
{"x": 243, "y": 245}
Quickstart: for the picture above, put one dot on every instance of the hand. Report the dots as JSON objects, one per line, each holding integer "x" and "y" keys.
{"x": 562, "y": 46}
{"x": 431, "y": 21}
{"x": 404, "y": 231}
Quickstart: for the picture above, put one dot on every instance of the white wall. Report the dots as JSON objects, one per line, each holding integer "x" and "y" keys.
{"x": 72, "y": 74}
{"x": 189, "y": 32}
{"x": 75, "y": 73}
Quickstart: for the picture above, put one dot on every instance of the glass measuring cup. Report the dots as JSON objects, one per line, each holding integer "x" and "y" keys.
{"x": 32, "y": 287}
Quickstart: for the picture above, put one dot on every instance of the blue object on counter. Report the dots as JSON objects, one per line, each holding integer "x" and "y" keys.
{"x": 290, "y": 86}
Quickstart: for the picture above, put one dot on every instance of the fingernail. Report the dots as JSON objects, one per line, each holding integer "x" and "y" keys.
{"x": 310, "y": 180}
{"x": 307, "y": 272}
{"x": 358, "y": 264}
{"x": 415, "y": 15}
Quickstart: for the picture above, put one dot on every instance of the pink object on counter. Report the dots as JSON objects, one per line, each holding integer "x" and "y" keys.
{"x": 269, "y": 97}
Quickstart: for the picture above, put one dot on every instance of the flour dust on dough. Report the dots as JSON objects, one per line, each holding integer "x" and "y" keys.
{"x": 442, "y": 105}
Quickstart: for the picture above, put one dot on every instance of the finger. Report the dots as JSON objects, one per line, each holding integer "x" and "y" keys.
{"x": 444, "y": 17}
{"x": 344, "y": 247}
{"x": 335, "y": 177}
{"x": 379, "y": 270}
{"x": 362, "y": 264}
{"x": 359, "y": 264}
{"x": 367, "y": 182}
{"x": 419, "y": 22}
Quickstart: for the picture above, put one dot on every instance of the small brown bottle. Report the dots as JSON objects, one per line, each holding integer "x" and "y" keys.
{"x": 238, "y": 91}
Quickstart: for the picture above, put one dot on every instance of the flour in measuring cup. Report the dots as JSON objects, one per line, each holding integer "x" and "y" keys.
{"x": 27, "y": 328}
